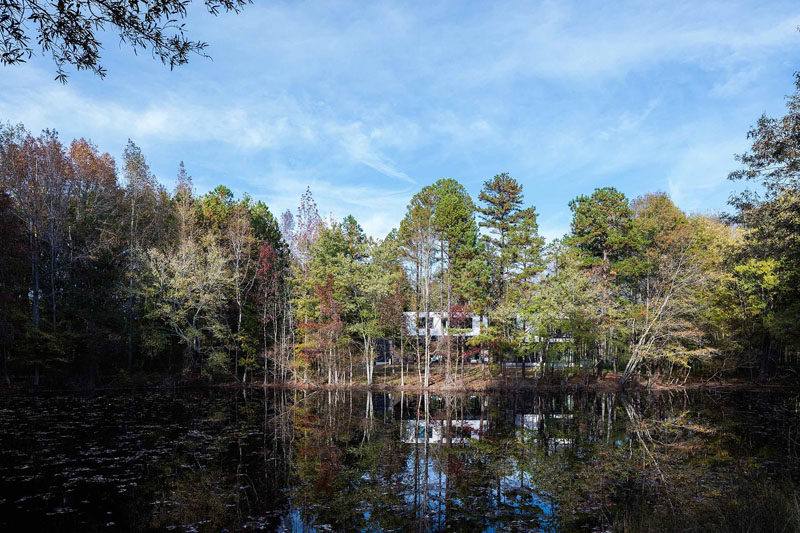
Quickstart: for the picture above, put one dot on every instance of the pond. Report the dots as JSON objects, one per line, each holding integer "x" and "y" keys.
{"x": 216, "y": 459}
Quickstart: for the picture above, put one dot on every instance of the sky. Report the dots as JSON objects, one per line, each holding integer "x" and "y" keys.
{"x": 368, "y": 102}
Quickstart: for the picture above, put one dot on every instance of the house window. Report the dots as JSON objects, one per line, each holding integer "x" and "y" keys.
{"x": 421, "y": 322}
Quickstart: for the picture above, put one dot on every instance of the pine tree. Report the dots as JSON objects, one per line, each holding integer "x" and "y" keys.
{"x": 602, "y": 230}
{"x": 502, "y": 204}
{"x": 526, "y": 246}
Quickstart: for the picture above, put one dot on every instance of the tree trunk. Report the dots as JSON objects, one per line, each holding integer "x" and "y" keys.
{"x": 449, "y": 304}
{"x": 131, "y": 246}
{"x": 35, "y": 273}
{"x": 402, "y": 360}
{"x": 427, "y": 323}
{"x": 416, "y": 324}
{"x": 35, "y": 276}
{"x": 53, "y": 274}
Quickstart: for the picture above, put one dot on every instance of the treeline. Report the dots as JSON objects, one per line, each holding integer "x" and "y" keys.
{"x": 105, "y": 272}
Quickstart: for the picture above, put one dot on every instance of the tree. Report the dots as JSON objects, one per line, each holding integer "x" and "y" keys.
{"x": 69, "y": 31}
{"x": 322, "y": 298}
{"x": 665, "y": 312}
{"x": 146, "y": 216}
{"x": 268, "y": 281}
{"x": 564, "y": 305}
{"x": 771, "y": 221}
{"x": 183, "y": 204}
{"x": 502, "y": 203}
{"x": 92, "y": 260}
{"x": 526, "y": 246}
{"x": 514, "y": 248}
{"x": 25, "y": 165}
{"x": 13, "y": 280}
{"x": 525, "y": 266}
{"x": 377, "y": 282}
{"x": 185, "y": 289}
{"x": 457, "y": 232}
{"x": 601, "y": 229}
{"x": 241, "y": 243}
{"x": 418, "y": 235}
{"x": 308, "y": 227}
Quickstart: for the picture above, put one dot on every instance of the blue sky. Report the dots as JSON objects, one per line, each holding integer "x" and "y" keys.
{"x": 368, "y": 102}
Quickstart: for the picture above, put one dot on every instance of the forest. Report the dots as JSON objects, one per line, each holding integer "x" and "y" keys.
{"x": 106, "y": 276}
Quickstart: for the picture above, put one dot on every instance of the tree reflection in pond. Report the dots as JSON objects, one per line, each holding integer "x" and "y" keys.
{"x": 334, "y": 460}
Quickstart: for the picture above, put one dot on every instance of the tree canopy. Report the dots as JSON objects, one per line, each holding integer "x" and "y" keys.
{"x": 105, "y": 271}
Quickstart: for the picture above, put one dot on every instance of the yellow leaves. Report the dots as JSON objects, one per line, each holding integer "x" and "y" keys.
{"x": 760, "y": 274}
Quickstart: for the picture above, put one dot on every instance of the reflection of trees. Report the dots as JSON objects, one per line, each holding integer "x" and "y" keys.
{"x": 226, "y": 470}
{"x": 356, "y": 461}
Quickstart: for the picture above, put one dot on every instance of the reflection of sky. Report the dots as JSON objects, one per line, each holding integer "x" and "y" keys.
{"x": 517, "y": 491}
{"x": 487, "y": 499}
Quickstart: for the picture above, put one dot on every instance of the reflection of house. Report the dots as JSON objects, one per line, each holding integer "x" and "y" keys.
{"x": 532, "y": 424}
{"x": 442, "y": 324}
{"x": 528, "y": 421}
{"x": 460, "y": 431}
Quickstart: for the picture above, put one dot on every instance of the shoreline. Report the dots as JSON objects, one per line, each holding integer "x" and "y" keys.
{"x": 609, "y": 383}
{"x": 497, "y": 387}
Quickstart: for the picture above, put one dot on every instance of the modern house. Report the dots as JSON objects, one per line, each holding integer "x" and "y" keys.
{"x": 441, "y": 324}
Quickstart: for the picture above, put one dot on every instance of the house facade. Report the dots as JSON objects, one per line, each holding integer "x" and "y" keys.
{"x": 442, "y": 325}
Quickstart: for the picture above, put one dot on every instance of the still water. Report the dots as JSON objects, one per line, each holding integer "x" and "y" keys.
{"x": 211, "y": 460}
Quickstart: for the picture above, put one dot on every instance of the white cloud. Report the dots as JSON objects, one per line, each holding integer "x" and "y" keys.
{"x": 377, "y": 208}
{"x": 701, "y": 171}
{"x": 247, "y": 125}
{"x": 362, "y": 101}
{"x": 361, "y": 147}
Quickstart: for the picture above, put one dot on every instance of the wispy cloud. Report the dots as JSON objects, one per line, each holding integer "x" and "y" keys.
{"x": 701, "y": 171}
{"x": 361, "y": 147}
{"x": 377, "y": 209}
{"x": 368, "y": 102}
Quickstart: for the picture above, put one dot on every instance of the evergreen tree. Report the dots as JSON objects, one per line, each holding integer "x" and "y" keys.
{"x": 601, "y": 229}
{"x": 501, "y": 199}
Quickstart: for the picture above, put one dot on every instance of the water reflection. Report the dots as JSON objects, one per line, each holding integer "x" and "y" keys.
{"x": 336, "y": 460}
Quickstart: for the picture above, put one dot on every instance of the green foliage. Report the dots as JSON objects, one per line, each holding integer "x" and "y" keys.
{"x": 349, "y": 296}
{"x": 767, "y": 265}
{"x": 500, "y": 213}
{"x": 601, "y": 225}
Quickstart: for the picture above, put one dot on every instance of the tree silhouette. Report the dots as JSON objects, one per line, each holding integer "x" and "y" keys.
{"x": 68, "y": 30}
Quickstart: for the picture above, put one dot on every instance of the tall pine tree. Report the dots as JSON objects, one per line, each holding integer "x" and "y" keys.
{"x": 501, "y": 211}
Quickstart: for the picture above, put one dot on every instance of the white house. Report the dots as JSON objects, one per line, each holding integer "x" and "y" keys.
{"x": 441, "y": 324}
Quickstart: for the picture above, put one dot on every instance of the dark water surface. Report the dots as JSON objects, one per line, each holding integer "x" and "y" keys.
{"x": 282, "y": 460}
